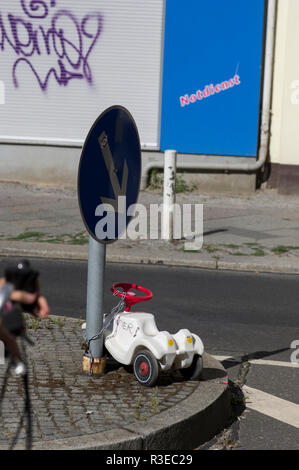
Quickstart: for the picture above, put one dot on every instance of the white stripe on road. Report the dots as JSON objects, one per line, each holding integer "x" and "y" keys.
{"x": 263, "y": 402}
{"x": 227, "y": 358}
{"x": 272, "y": 406}
{"x": 263, "y": 362}
{"x": 274, "y": 363}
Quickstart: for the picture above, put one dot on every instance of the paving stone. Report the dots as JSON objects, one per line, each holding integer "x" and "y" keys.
{"x": 62, "y": 396}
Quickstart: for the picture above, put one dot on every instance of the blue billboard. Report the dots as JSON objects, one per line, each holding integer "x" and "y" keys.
{"x": 212, "y": 76}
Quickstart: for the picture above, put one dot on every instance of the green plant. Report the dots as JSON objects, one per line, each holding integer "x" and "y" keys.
{"x": 154, "y": 402}
{"x": 55, "y": 321}
{"x": 72, "y": 239}
{"x": 155, "y": 179}
{"x": 210, "y": 248}
{"x": 281, "y": 249}
{"x": 189, "y": 251}
{"x": 232, "y": 246}
{"x": 27, "y": 235}
{"x": 258, "y": 252}
{"x": 180, "y": 185}
{"x": 138, "y": 404}
{"x": 237, "y": 253}
{"x": 33, "y": 323}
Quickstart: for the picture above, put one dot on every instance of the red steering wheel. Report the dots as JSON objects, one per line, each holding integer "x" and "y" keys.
{"x": 129, "y": 297}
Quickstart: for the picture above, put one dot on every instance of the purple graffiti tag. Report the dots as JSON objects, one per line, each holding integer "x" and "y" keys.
{"x": 58, "y": 33}
{"x": 19, "y": 26}
{"x": 62, "y": 77}
{"x": 69, "y": 48}
{"x": 39, "y": 8}
{"x": 86, "y": 68}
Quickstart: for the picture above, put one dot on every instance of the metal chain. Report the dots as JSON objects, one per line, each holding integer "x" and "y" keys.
{"x": 115, "y": 311}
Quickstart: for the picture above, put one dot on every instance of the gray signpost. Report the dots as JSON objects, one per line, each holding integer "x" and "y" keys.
{"x": 110, "y": 167}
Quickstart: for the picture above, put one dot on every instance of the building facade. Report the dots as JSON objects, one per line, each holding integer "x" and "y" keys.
{"x": 284, "y": 142}
{"x": 190, "y": 74}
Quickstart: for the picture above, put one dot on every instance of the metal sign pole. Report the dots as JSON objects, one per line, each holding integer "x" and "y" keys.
{"x": 109, "y": 171}
{"x": 94, "y": 307}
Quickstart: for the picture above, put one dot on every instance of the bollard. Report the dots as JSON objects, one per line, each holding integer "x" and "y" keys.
{"x": 168, "y": 194}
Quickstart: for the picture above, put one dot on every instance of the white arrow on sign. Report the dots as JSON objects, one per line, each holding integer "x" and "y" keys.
{"x": 112, "y": 171}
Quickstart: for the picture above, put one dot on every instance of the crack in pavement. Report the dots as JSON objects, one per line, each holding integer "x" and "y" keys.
{"x": 228, "y": 439}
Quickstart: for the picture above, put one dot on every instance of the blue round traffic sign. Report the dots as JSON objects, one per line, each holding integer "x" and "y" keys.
{"x": 109, "y": 174}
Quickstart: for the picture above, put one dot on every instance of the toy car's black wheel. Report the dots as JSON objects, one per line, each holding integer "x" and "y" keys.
{"x": 194, "y": 371}
{"x": 145, "y": 367}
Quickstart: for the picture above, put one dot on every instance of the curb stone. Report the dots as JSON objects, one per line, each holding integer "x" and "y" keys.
{"x": 80, "y": 253}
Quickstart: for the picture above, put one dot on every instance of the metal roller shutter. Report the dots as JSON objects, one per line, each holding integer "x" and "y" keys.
{"x": 63, "y": 62}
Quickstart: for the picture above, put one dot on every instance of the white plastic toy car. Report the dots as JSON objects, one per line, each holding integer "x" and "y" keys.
{"x": 134, "y": 339}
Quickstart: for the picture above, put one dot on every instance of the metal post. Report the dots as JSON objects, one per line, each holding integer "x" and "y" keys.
{"x": 94, "y": 306}
{"x": 168, "y": 194}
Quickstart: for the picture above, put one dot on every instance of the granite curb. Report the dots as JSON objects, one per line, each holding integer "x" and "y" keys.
{"x": 80, "y": 253}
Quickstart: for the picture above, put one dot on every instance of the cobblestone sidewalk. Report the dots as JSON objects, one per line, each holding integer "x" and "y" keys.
{"x": 67, "y": 402}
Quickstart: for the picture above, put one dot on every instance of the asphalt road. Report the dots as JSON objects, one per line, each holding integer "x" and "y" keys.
{"x": 233, "y": 312}
{"x": 243, "y": 315}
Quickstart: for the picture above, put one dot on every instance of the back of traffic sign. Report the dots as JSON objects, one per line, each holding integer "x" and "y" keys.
{"x": 109, "y": 174}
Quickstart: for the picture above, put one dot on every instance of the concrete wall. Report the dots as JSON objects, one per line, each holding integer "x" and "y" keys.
{"x": 37, "y": 164}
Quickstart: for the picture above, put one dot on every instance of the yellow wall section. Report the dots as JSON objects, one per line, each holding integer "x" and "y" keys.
{"x": 284, "y": 143}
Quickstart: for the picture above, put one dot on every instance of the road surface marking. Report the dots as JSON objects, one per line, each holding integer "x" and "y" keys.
{"x": 274, "y": 363}
{"x": 261, "y": 362}
{"x": 227, "y": 358}
{"x": 272, "y": 406}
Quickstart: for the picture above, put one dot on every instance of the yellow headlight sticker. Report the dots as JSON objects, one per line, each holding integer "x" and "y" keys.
{"x": 170, "y": 342}
{"x": 189, "y": 339}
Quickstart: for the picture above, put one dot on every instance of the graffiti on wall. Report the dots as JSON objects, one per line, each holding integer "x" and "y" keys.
{"x": 44, "y": 30}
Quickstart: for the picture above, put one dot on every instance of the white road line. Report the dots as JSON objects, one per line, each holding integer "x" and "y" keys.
{"x": 259, "y": 361}
{"x": 226, "y": 358}
{"x": 272, "y": 406}
{"x": 274, "y": 363}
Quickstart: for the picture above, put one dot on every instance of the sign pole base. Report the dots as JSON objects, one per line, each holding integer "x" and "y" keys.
{"x": 94, "y": 308}
{"x": 97, "y": 366}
